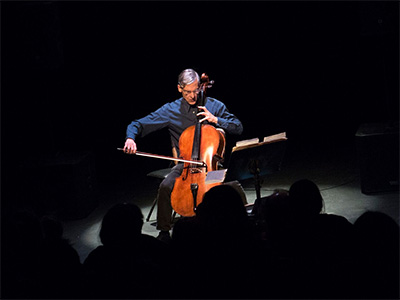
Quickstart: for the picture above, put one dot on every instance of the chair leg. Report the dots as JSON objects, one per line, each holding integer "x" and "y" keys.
{"x": 151, "y": 209}
{"x": 173, "y": 216}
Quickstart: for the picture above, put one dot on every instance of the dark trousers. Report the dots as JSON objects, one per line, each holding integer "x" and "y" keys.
{"x": 164, "y": 208}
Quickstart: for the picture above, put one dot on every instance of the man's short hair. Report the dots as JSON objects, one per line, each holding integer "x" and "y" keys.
{"x": 187, "y": 76}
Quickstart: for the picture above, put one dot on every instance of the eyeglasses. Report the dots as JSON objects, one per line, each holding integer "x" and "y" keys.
{"x": 196, "y": 91}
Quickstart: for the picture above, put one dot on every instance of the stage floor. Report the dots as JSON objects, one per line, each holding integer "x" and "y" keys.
{"x": 334, "y": 169}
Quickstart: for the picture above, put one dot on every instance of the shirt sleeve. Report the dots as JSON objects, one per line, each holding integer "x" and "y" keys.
{"x": 226, "y": 120}
{"x": 150, "y": 123}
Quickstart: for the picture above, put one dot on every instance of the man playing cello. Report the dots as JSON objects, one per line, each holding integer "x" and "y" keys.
{"x": 177, "y": 116}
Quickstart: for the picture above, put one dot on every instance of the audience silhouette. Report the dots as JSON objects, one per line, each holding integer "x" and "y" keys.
{"x": 287, "y": 248}
{"x": 39, "y": 262}
{"x": 322, "y": 245}
{"x": 217, "y": 252}
{"x": 21, "y": 241}
{"x": 273, "y": 224}
{"x": 60, "y": 265}
{"x": 377, "y": 259}
{"x": 128, "y": 264}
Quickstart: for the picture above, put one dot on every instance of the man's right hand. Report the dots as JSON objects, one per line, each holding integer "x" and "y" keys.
{"x": 130, "y": 146}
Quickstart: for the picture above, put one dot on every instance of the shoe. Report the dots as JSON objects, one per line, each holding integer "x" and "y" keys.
{"x": 164, "y": 237}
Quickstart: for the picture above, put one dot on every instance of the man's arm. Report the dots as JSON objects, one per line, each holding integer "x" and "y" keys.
{"x": 141, "y": 127}
{"x": 218, "y": 114}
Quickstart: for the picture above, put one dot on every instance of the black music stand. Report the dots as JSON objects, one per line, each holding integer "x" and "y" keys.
{"x": 256, "y": 161}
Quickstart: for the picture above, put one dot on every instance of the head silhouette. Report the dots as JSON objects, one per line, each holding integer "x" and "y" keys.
{"x": 222, "y": 207}
{"x": 377, "y": 231}
{"x": 306, "y": 197}
{"x": 121, "y": 225}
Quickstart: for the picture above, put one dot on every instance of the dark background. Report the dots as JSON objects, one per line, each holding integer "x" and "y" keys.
{"x": 75, "y": 74}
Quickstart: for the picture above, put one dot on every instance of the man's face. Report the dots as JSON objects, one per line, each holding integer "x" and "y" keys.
{"x": 190, "y": 92}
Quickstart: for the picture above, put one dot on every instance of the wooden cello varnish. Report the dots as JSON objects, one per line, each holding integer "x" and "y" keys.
{"x": 201, "y": 143}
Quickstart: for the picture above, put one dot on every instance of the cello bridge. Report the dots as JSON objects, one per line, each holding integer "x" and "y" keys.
{"x": 195, "y": 170}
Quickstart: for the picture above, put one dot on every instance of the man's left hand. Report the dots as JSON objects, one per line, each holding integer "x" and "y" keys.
{"x": 207, "y": 115}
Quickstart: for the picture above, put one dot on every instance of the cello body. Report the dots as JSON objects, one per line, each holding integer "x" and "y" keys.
{"x": 190, "y": 187}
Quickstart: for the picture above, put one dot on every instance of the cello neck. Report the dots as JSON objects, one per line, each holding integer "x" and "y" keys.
{"x": 205, "y": 83}
{"x": 196, "y": 142}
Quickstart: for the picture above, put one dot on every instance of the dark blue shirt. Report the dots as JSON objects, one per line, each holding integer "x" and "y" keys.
{"x": 179, "y": 115}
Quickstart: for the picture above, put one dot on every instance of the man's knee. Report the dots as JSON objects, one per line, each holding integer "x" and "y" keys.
{"x": 165, "y": 187}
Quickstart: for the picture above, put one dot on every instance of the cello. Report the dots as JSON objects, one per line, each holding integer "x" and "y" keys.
{"x": 202, "y": 146}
